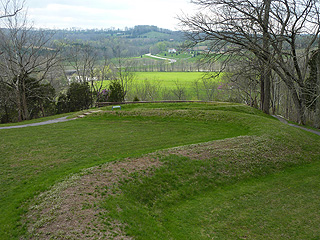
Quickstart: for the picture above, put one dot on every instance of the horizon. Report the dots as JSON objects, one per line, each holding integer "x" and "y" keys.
{"x": 97, "y": 29}
{"x": 106, "y": 14}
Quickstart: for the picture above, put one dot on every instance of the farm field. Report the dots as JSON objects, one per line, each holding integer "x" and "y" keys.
{"x": 168, "y": 79}
{"x": 161, "y": 171}
{"x": 169, "y": 83}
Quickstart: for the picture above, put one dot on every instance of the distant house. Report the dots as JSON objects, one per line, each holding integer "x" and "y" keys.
{"x": 172, "y": 50}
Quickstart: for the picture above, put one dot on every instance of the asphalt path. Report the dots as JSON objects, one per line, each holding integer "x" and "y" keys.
{"x": 64, "y": 119}
{"x": 58, "y": 120}
{"x": 281, "y": 119}
{"x": 153, "y": 56}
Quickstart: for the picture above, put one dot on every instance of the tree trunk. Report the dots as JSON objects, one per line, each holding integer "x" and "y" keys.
{"x": 317, "y": 113}
{"x": 267, "y": 91}
{"x": 266, "y": 71}
{"x": 262, "y": 90}
{"x": 25, "y": 111}
{"x": 300, "y": 106}
{"x": 18, "y": 103}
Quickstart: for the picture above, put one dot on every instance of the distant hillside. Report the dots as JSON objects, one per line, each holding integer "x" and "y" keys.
{"x": 140, "y": 31}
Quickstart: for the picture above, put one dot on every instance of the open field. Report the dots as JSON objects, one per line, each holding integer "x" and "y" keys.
{"x": 170, "y": 79}
{"x": 169, "y": 84}
{"x": 216, "y": 171}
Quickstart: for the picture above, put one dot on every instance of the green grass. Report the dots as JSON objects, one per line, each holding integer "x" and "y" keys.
{"x": 168, "y": 79}
{"x": 280, "y": 206}
{"x": 242, "y": 190}
{"x": 182, "y": 198}
{"x": 32, "y": 159}
{"x": 178, "y": 56}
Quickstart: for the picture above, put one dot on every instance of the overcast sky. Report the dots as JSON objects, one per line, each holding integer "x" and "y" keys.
{"x": 106, "y": 13}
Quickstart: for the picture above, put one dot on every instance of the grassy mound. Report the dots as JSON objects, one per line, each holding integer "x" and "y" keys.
{"x": 206, "y": 154}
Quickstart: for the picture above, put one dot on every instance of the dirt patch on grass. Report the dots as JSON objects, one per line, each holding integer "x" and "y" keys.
{"x": 70, "y": 210}
{"x": 213, "y": 149}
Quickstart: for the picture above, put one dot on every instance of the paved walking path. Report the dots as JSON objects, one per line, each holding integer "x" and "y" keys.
{"x": 169, "y": 59}
{"x": 58, "y": 120}
{"x": 281, "y": 119}
{"x": 64, "y": 119}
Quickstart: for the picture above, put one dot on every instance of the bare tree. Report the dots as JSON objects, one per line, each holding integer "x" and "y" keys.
{"x": 209, "y": 84}
{"x": 313, "y": 83}
{"x": 82, "y": 57}
{"x": 101, "y": 73}
{"x": 179, "y": 91}
{"x": 123, "y": 66}
{"x": 25, "y": 53}
{"x": 317, "y": 112}
{"x": 146, "y": 91}
{"x": 268, "y": 30}
{"x": 10, "y": 8}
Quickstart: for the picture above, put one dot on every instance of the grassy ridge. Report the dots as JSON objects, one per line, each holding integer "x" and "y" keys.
{"x": 34, "y": 158}
{"x": 256, "y": 145}
{"x": 193, "y": 196}
{"x": 280, "y": 206}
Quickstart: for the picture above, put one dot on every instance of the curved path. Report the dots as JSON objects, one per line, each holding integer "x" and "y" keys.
{"x": 281, "y": 119}
{"x": 57, "y": 120}
{"x": 162, "y": 58}
{"x": 62, "y": 119}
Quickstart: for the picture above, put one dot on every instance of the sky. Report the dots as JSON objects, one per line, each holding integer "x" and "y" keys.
{"x": 98, "y": 14}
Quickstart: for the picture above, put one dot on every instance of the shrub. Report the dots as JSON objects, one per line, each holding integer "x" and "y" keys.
{"x": 79, "y": 96}
{"x": 62, "y": 104}
{"x": 116, "y": 92}
{"x": 8, "y": 112}
{"x": 40, "y": 98}
{"x": 103, "y": 95}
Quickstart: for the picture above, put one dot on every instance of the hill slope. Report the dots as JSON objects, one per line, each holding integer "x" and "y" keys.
{"x": 176, "y": 164}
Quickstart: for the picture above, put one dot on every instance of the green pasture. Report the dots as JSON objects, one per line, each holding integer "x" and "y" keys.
{"x": 193, "y": 56}
{"x": 171, "y": 81}
{"x": 259, "y": 179}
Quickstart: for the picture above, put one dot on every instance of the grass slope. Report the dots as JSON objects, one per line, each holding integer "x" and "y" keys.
{"x": 162, "y": 205}
{"x": 280, "y": 206}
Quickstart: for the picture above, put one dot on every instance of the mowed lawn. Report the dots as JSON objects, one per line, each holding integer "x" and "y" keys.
{"x": 190, "y": 196}
{"x": 34, "y": 158}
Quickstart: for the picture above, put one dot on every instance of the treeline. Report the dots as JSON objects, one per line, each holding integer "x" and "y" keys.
{"x": 140, "y": 31}
{"x": 273, "y": 47}
{"x": 42, "y": 100}
{"x": 278, "y": 73}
